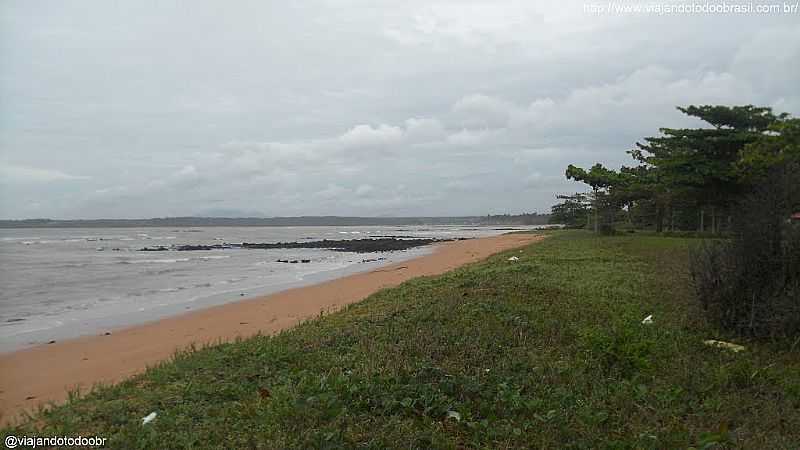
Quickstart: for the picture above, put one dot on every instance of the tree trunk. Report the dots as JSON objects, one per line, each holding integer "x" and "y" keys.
{"x": 659, "y": 219}
{"x": 630, "y": 214}
{"x": 713, "y": 220}
{"x": 596, "y": 207}
{"x": 671, "y": 219}
{"x": 777, "y": 240}
{"x": 702, "y": 219}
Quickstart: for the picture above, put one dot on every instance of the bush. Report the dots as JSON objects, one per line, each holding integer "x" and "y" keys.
{"x": 607, "y": 229}
{"x": 695, "y": 234}
{"x": 750, "y": 284}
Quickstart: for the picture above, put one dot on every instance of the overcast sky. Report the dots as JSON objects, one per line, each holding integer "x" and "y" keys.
{"x": 122, "y": 109}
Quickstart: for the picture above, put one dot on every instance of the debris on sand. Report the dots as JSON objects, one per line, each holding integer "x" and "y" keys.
{"x": 454, "y": 415}
{"x": 736, "y": 348}
{"x": 148, "y": 418}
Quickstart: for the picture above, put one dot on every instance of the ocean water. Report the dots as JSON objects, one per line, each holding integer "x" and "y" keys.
{"x": 63, "y": 283}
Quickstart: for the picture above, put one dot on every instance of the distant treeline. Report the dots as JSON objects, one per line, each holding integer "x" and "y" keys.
{"x": 518, "y": 219}
{"x": 521, "y": 219}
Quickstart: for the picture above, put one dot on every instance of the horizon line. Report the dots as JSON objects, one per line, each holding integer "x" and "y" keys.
{"x": 43, "y": 219}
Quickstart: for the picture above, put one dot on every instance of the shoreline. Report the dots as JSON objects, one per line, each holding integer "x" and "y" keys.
{"x": 46, "y": 373}
{"x": 120, "y": 319}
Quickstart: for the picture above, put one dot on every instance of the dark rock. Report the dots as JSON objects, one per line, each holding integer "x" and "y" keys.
{"x": 187, "y": 248}
{"x": 385, "y": 244}
{"x": 350, "y": 245}
{"x": 369, "y": 260}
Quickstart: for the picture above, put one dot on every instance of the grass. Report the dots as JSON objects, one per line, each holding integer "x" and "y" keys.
{"x": 545, "y": 352}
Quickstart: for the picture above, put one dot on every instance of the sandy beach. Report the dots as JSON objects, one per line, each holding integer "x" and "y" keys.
{"x": 46, "y": 373}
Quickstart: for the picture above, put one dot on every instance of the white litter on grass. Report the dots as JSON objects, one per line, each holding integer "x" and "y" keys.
{"x": 513, "y": 258}
{"x": 736, "y": 348}
{"x": 454, "y": 415}
{"x": 647, "y": 320}
{"x": 149, "y": 418}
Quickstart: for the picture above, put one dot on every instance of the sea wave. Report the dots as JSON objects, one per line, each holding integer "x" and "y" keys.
{"x": 154, "y": 261}
{"x": 172, "y": 289}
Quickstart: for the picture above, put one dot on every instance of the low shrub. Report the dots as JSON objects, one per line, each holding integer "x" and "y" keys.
{"x": 750, "y": 284}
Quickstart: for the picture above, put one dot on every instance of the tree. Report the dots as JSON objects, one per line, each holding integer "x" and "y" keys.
{"x": 702, "y": 162}
{"x": 779, "y": 146}
{"x": 748, "y": 117}
{"x": 572, "y": 212}
{"x": 694, "y": 169}
{"x": 600, "y": 179}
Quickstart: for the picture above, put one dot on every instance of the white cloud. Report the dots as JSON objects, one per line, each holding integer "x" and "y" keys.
{"x": 356, "y": 107}
{"x": 16, "y": 174}
{"x": 466, "y": 137}
{"x": 479, "y": 110}
{"x": 367, "y": 136}
{"x": 333, "y": 191}
{"x": 538, "y": 180}
{"x": 364, "y": 190}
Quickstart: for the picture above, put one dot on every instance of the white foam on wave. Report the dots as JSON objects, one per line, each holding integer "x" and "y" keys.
{"x": 174, "y": 289}
{"x": 155, "y": 261}
{"x": 165, "y": 281}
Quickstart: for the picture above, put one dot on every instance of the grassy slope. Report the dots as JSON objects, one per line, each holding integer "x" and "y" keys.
{"x": 547, "y": 352}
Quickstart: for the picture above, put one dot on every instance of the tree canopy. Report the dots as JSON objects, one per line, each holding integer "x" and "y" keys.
{"x": 686, "y": 171}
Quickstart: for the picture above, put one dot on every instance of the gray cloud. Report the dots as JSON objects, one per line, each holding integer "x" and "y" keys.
{"x": 351, "y": 107}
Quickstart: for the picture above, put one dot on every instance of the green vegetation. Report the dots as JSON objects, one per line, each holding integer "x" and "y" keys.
{"x": 546, "y": 352}
{"x": 750, "y": 283}
{"x": 744, "y": 168}
{"x": 573, "y": 212}
{"x": 694, "y": 178}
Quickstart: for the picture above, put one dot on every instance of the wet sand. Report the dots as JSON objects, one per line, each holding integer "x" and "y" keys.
{"x": 46, "y": 373}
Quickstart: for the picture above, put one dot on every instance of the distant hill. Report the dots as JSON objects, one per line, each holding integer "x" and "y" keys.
{"x": 521, "y": 219}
